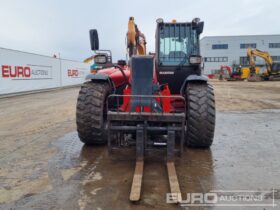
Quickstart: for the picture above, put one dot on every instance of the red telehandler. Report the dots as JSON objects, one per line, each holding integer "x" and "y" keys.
{"x": 158, "y": 101}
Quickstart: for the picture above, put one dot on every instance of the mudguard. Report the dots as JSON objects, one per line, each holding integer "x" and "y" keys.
{"x": 100, "y": 77}
{"x": 192, "y": 78}
{"x": 97, "y": 77}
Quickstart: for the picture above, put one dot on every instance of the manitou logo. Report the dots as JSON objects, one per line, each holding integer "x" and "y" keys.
{"x": 73, "y": 73}
{"x": 16, "y": 71}
{"x": 166, "y": 72}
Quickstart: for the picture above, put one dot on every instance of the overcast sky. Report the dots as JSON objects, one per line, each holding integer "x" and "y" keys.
{"x": 61, "y": 26}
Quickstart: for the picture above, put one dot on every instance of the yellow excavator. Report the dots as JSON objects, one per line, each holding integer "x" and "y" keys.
{"x": 272, "y": 69}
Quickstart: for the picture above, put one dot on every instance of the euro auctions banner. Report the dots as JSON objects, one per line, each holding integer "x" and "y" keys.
{"x": 73, "y": 72}
{"x": 21, "y": 71}
{"x": 27, "y": 71}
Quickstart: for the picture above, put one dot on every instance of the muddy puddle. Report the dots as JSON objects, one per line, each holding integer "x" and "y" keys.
{"x": 245, "y": 156}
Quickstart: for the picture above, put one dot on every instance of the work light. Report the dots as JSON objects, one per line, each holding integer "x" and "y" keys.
{"x": 195, "y": 59}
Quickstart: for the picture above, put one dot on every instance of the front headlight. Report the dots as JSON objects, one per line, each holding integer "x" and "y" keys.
{"x": 100, "y": 59}
{"x": 195, "y": 59}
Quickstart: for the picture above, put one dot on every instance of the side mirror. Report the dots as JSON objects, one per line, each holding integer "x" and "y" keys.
{"x": 200, "y": 27}
{"x": 94, "y": 41}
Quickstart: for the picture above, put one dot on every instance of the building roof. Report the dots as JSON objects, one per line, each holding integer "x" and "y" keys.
{"x": 230, "y": 36}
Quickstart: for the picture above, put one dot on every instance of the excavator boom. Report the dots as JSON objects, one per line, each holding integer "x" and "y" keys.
{"x": 252, "y": 53}
{"x": 136, "y": 41}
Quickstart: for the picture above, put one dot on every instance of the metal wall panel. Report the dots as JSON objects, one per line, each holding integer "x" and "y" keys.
{"x": 21, "y": 72}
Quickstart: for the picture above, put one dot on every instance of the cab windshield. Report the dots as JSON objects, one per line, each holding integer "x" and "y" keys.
{"x": 177, "y": 42}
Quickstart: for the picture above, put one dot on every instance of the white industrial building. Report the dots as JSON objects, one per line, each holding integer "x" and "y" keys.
{"x": 231, "y": 50}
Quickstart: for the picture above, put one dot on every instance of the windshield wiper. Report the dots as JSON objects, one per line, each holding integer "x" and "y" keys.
{"x": 181, "y": 64}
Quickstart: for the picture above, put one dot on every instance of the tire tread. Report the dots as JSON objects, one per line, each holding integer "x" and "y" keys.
{"x": 89, "y": 112}
{"x": 200, "y": 115}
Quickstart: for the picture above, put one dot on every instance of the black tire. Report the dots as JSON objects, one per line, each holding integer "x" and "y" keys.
{"x": 91, "y": 112}
{"x": 200, "y": 115}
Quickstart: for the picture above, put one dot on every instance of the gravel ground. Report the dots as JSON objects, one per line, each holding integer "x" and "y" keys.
{"x": 43, "y": 165}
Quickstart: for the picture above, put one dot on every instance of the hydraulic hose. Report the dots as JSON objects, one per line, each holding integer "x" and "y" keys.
{"x": 124, "y": 75}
